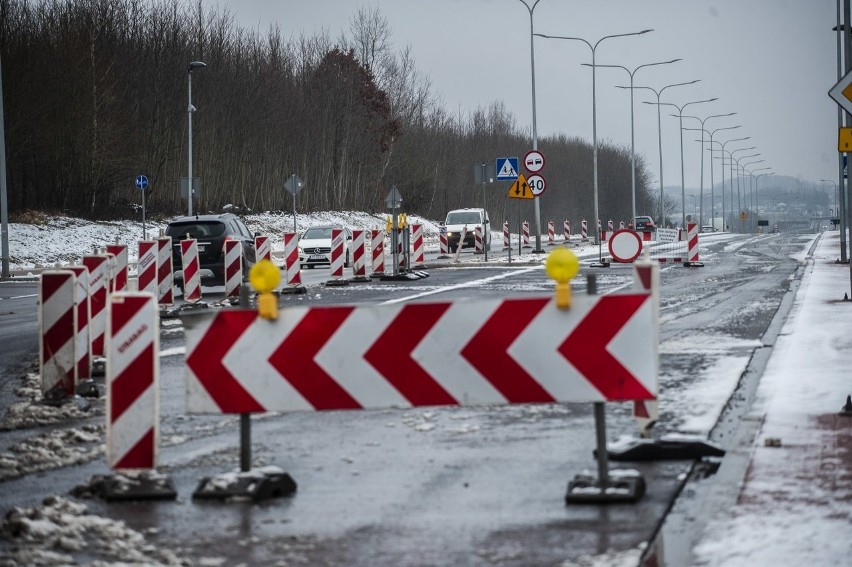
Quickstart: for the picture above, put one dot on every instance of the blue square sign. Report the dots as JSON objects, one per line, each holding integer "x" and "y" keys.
{"x": 507, "y": 168}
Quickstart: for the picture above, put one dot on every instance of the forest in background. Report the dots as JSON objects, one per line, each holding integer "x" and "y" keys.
{"x": 95, "y": 94}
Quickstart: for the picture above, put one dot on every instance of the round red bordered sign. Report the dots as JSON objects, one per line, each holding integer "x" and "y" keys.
{"x": 625, "y": 245}
{"x": 534, "y": 161}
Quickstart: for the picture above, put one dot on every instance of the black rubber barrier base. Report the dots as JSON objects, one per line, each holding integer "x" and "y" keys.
{"x": 252, "y": 485}
{"x": 671, "y": 449}
{"x": 622, "y": 487}
{"x": 361, "y": 279}
{"x": 295, "y": 290}
{"x": 125, "y": 488}
{"x": 335, "y": 283}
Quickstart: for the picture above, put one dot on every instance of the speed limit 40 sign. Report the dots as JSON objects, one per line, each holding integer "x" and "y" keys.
{"x": 537, "y": 184}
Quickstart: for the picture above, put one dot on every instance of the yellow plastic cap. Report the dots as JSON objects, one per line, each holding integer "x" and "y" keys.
{"x": 264, "y": 276}
{"x": 562, "y": 265}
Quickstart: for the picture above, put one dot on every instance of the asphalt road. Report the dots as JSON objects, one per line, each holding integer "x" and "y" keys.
{"x": 440, "y": 486}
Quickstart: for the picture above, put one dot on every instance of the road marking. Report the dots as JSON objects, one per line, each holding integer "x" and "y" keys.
{"x": 462, "y": 285}
{"x": 19, "y": 297}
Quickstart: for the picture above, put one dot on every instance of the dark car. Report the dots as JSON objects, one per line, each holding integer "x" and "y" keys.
{"x": 645, "y": 224}
{"x": 211, "y": 231}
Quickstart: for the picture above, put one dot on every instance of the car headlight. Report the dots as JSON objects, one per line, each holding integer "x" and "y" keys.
{"x": 449, "y": 234}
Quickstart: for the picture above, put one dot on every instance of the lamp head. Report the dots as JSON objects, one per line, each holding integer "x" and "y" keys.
{"x": 197, "y": 65}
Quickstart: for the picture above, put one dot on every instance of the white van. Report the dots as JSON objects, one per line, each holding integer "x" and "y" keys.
{"x": 458, "y": 219}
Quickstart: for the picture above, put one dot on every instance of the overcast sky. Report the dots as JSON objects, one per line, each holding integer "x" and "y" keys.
{"x": 770, "y": 61}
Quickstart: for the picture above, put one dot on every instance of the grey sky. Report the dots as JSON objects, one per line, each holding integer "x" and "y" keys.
{"x": 770, "y": 61}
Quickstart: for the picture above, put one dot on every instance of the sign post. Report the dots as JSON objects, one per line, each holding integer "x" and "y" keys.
{"x": 483, "y": 173}
{"x": 293, "y": 185}
{"x": 142, "y": 184}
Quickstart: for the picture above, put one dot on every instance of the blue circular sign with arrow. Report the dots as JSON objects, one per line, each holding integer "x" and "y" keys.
{"x": 142, "y": 182}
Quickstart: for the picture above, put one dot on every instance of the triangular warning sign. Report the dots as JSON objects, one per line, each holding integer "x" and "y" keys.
{"x": 520, "y": 189}
{"x": 507, "y": 170}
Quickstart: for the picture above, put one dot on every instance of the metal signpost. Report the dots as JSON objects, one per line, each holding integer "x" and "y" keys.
{"x": 393, "y": 202}
{"x": 294, "y": 184}
{"x": 142, "y": 184}
{"x": 482, "y": 174}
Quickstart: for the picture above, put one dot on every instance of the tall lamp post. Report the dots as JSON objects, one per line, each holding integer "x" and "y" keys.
{"x": 632, "y": 141}
{"x": 531, "y": 9}
{"x": 712, "y": 133}
{"x": 190, "y": 110}
{"x": 739, "y": 167}
{"x": 754, "y": 191}
{"x": 835, "y": 190}
{"x": 701, "y": 188}
{"x": 723, "y": 144}
{"x": 680, "y": 120}
{"x": 756, "y": 194}
{"x": 594, "y": 47}
{"x": 660, "y": 137}
{"x": 749, "y": 200}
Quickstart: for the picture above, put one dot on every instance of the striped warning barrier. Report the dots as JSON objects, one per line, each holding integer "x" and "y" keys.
{"x": 82, "y": 341}
{"x": 526, "y": 228}
{"x": 506, "y": 237}
{"x": 337, "y": 258}
{"x": 444, "y": 246}
{"x": 609, "y": 225}
{"x": 98, "y": 265}
{"x": 551, "y": 233}
{"x": 359, "y": 255}
{"x": 672, "y": 248}
{"x": 132, "y": 375}
{"x": 57, "y": 330}
{"x": 165, "y": 271}
{"x": 620, "y": 225}
{"x": 292, "y": 265}
{"x": 263, "y": 248}
{"x": 233, "y": 267}
{"x": 377, "y": 249}
{"x": 692, "y": 243}
{"x": 119, "y": 280}
{"x": 566, "y": 230}
{"x": 146, "y": 268}
{"x": 417, "y": 244}
{"x": 646, "y": 278}
{"x": 191, "y": 273}
{"x": 477, "y": 240}
{"x": 584, "y": 229}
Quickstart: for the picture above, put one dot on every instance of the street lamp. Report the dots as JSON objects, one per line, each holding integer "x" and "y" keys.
{"x": 701, "y": 189}
{"x": 835, "y": 190}
{"x": 712, "y": 180}
{"x": 723, "y": 144}
{"x": 660, "y": 137}
{"x": 594, "y": 114}
{"x": 749, "y": 201}
{"x": 632, "y": 142}
{"x": 680, "y": 120}
{"x": 190, "y": 110}
{"x": 739, "y": 167}
{"x": 756, "y": 194}
{"x": 536, "y": 204}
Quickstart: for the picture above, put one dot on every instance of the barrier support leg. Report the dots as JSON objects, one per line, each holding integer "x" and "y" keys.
{"x": 245, "y": 442}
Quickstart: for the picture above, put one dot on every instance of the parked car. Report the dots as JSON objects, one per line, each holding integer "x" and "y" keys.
{"x": 456, "y": 221}
{"x": 644, "y": 224}
{"x": 211, "y": 231}
{"x": 315, "y": 246}
{"x": 708, "y": 228}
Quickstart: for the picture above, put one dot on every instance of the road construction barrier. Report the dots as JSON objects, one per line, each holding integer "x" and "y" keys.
{"x": 146, "y": 268}
{"x": 132, "y": 377}
{"x": 57, "y": 330}
{"x": 625, "y": 246}
{"x": 418, "y": 254}
{"x": 338, "y": 241}
{"x": 605, "y": 235}
{"x": 444, "y": 246}
{"x": 526, "y": 237}
{"x": 566, "y": 230}
{"x": 460, "y": 244}
{"x": 262, "y": 248}
{"x": 165, "y": 271}
{"x": 191, "y": 270}
{"x": 609, "y": 225}
{"x": 551, "y": 233}
{"x": 359, "y": 255}
{"x": 233, "y": 267}
{"x": 584, "y": 229}
{"x": 82, "y": 340}
{"x": 98, "y": 266}
{"x": 620, "y": 225}
{"x": 377, "y": 249}
{"x": 477, "y": 240}
{"x": 119, "y": 279}
{"x": 647, "y": 279}
{"x": 292, "y": 265}
{"x": 672, "y": 248}
{"x": 507, "y": 239}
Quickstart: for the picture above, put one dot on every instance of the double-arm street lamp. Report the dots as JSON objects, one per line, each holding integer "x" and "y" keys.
{"x": 756, "y": 194}
{"x": 680, "y": 120}
{"x": 593, "y": 48}
{"x": 712, "y": 133}
{"x": 739, "y": 167}
{"x": 835, "y": 191}
{"x": 190, "y": 185}
{"x": 632, "y": 140}
{"x": 701, "y": 189}
{"x": 660, "y": 137}
{"x": 749, "y": 199}
{"x": 723, "y": 144}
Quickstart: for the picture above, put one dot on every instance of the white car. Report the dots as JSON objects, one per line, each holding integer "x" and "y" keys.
{"x": 708, "y": 228}
{"x": 315, "y": 246}
{"x": 471, "y": 218}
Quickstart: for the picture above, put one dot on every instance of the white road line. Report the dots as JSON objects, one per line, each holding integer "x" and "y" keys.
{"x": 463, "y": 285}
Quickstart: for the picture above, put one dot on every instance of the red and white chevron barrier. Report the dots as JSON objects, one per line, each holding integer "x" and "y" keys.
{"x": 551, "y": 233}
{"x": 82, "y": 341}
{"x": 292, "y": 266}
{"x": 609, "y": 225}
{"x": 646, "y": 278}
{"x": 477, "y": 240}
{"x": 98, "y": 266}
{"x": 338, "y": 241}
{"x": 566, "y": 230}
{"x": 692, "y": 243}
{"x": 418, "y": 257}
{"x": 526, "y": 228}
{"x": 119, "y": 280}
{"x": 359, "y": 254}
{"x": 57, "y": 330}
{"x": 506, "y": 236}
{"x": 191, "y": 270}
{"x": 233, "y": 267}
{"x": 421, "y": 354}
{"x": 262, "y": 248}
{"x": 377, "y": 249}
{"x": 444, "y": 246}
{"x": 132, "y": 375}
{"x": 146, "y": 270}
{"x": 165, "y": 271}
{"x": 584, "y": 227}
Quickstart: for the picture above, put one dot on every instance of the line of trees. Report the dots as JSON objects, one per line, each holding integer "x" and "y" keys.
{"x": 95, "y": 93}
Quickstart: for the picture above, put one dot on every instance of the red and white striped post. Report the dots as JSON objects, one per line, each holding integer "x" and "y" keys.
{"x": 82, "y": 341}
{"x": 692, "y": 243}
{"x": 292, "y": 266}
{"x": 191, "y": 273}
{"x": 165, "y": 271}
{"x": 620, "y": 225}
{"x": 526, "y": 235}
{"x": 233, "y": 268}
{"x": 337, "y": 256}
{"x": 132, "y": 375}
{"x": 566, "y": 230}
{"x": 98, "y": 266}
{"x": 442, "y": 242}
{"x": 477, "y": 240}
{"x": 506, "y": 238}
{"x": 377, "y": 249}
{"x": 551, "y": 233}
{"x": 584, "y": 228}
{"x": 263, "y": 248}
{"x": 359, "y": 255}
{"x": 146, "y": 271}
{"x": 57, "y": 330}
{"x": 119, "y": 282}
{"x": 609, "y": 225}
{"x": 419, "y": 252}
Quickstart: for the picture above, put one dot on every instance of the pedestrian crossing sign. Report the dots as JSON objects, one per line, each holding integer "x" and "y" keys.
{"x": 507, "y": 168}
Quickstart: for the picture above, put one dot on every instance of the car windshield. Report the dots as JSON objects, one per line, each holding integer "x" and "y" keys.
{"x": 195, "y": 229}
{"x": 463, "y": 218}
{"x": 318, "y": 233}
